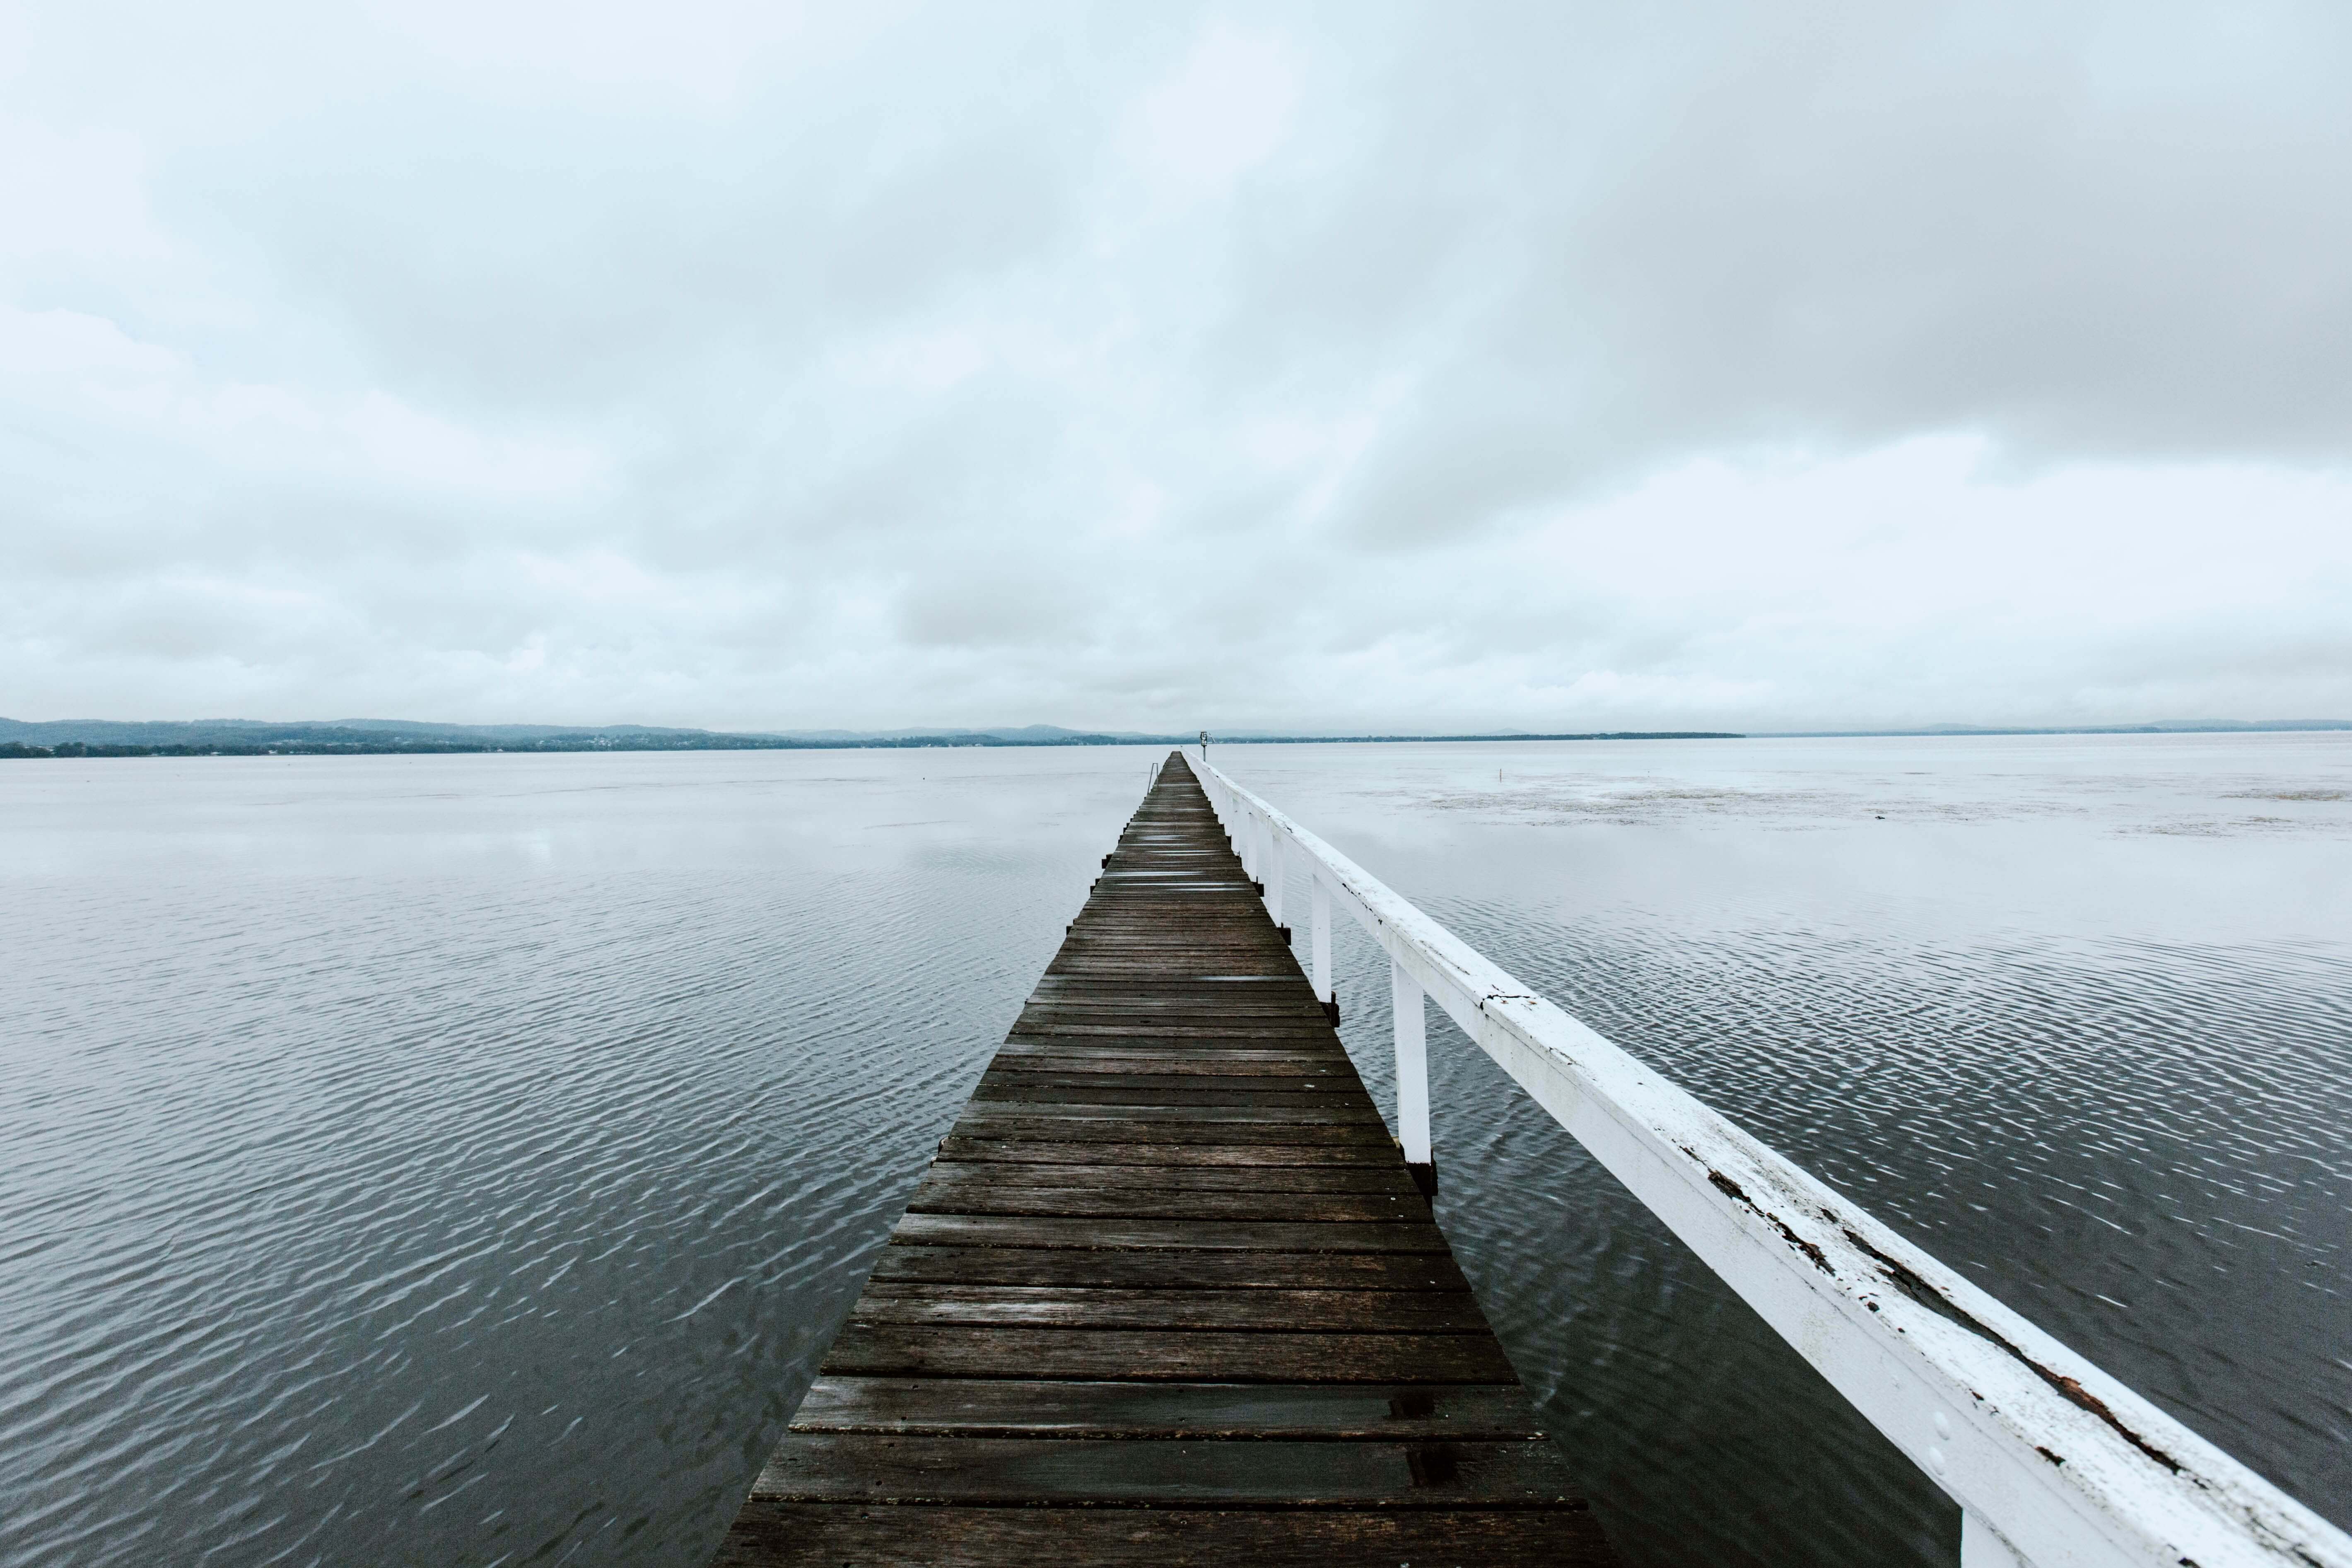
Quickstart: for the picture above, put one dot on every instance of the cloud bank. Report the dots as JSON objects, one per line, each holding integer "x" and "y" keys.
{"x": 1313, "y": 367}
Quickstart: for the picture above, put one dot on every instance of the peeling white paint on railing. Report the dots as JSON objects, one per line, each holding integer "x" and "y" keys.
{"x": 2054, "y": 1463}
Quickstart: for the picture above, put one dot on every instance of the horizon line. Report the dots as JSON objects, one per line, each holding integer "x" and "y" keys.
{"x": 21, "y": 739}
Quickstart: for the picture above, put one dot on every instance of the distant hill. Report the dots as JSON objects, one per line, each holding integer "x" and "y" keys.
{"x": 313, "y": 737}
{"x": 246, "y": 737}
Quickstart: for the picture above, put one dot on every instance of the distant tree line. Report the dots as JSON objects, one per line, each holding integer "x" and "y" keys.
{"x": 398, "y": 745}
{"x": 9, "y": 749}
{"x": 390, "y": 745}
{"x": 401, "y": 746}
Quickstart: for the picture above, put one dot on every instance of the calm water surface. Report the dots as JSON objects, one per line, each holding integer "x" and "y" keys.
{"x": 464, "y": 1160}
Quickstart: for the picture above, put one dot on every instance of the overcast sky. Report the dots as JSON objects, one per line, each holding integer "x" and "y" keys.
{"x": 1430, "y": 366}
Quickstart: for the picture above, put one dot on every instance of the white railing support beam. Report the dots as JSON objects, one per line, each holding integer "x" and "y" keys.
{"x": 1276, "y": 863}
{"x": 1319, "y": 899}
{"x": 1411, "y": 1065}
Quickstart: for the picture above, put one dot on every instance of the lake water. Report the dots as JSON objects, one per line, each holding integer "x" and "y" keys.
{"x": 464, "y": 1160}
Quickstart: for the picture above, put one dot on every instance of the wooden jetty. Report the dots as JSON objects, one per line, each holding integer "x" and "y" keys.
{"x": 1168, "y": 1293}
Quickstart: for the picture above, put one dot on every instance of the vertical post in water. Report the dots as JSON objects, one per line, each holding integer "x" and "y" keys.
{"x": 1319, "y": 939}
{"x": 1412, "y": 1077}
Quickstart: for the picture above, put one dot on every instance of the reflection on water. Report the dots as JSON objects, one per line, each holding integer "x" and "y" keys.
{"x": 461, "y": 1160}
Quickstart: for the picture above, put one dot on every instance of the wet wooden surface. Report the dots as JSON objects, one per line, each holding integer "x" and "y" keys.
{"x": 1168, "y": 1295}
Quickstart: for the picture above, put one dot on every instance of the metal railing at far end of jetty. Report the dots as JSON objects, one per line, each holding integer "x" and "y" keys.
{"x": 2054, "y": 1463}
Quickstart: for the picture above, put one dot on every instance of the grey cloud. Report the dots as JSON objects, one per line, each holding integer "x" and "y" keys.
{"x": 2072, "y": 277}
{"x": 919, "y": 370}
{"x": 1832, "y": 226}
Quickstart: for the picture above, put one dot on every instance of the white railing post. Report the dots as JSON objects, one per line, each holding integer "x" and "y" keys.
{"x": 1411, "y": 1069}
{"x": 1319, "y": 937}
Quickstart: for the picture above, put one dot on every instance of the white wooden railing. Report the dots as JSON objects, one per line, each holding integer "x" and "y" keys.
{"x": 2054, "y": 1463}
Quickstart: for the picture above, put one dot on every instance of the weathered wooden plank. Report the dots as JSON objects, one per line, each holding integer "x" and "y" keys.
{"x": 950, "y": 1175}
{"x": 1189, "y": 1270}
{"x": 1321, "y": 1080}
{"x": 995, "y": 1122}
{"x": 1002, "y": 1407}
{"x": 890, "y": 1350}
{"x": 1185, "y": 1066}
{"x": 1237, "y": 1032}
{"x": 825, "y": 1467}
{"x": 1132, "y": 989}
{"x": 1187, "y": 1058}
{"x": 1270, "y": 1095}
{"x": 1191, "y": 1014}
{"x": 1077, "y": 997}
{"x": 1244, "y": 996}
{"x": 1131, "y": 1204}
{"x": 1114, "y": 1105}
{"x": 1355, "y": 1152}
{"x": 1164, "y": 1234}
{"x": 1043, "y": 1307}
{"x": 1316, "y": 1073}
{"x": 1266, "y": 993}
{"x": 772, "y": 1532}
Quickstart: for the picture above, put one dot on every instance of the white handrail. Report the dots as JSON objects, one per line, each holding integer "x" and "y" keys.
{"x": 2054, "y": 1463}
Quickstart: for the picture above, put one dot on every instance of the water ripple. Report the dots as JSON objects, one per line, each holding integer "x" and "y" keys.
{"x": 438, "y": 1217}
{"x": 463, "y": 1161}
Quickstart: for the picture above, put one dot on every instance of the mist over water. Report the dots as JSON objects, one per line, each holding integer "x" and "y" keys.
{"x": 465, "y": 1159}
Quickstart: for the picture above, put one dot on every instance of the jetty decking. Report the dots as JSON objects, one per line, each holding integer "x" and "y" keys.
{"x": 1168, "y": 1293}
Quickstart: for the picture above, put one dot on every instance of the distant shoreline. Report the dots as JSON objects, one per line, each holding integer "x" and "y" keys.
{"x": 715, "y": 742}
{"x": 25, "y": 740}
